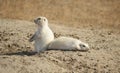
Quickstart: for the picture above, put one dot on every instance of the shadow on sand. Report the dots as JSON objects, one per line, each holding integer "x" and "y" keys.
{"x": 28, "y": 53}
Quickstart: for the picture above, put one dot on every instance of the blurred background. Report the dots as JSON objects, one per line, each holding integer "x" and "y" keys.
{"x": 77, "y": 13}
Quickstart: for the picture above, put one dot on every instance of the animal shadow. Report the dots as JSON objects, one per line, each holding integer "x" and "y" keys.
{"x": 28, "y": 53}
{"x": 68, "y": 50}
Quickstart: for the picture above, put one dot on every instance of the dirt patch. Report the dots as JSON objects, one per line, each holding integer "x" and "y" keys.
{"x": 103, "y": 56}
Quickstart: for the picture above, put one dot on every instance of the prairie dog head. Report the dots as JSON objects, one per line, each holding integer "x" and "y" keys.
{"x": 41, "y": 21}
{"x": 84, "y": 46}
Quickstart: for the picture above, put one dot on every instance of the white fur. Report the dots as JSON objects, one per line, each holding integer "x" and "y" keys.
{"x": 43, "y": 36}
{"x": 67, "y": 43}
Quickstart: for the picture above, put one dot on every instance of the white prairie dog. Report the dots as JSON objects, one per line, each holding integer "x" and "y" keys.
{"x": 43, "y": 36}
{"x": 67, "y": 43}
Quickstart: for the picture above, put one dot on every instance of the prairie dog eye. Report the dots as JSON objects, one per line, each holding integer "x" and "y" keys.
{"x": 83, "y": 45}
{"x": 39, "y": 18}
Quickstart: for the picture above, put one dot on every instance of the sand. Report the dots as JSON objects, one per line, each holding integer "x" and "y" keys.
{"x": 15, "y": 56}
{"x": 96, "y": 22}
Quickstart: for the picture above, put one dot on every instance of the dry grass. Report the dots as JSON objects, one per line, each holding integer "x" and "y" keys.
{"x": 103, "y": 13}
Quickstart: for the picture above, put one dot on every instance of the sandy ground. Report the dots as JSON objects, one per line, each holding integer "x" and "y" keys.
{"x": 103, "y": 56}
{"x": 99, "y": 18}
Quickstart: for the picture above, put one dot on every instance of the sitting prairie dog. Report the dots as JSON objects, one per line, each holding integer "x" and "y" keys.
{"x": 43, "y": 36}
